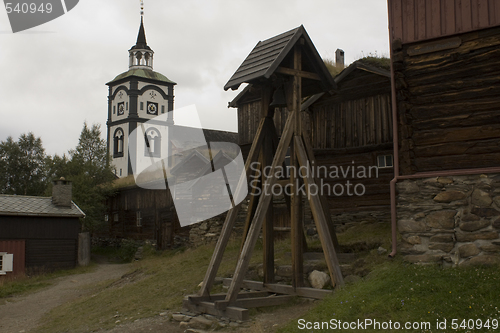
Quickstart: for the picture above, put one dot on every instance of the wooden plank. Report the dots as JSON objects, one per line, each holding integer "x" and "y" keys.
{"x": 435, "y": 19}
{"x": 494, "y": 10}
{"x": 256, "y": 302}
{"x": 283, "y": 289}
{"x": 466, "y": 15}
{"x": 221, "y": 296}
{"x": 209, "y": 308}
{"x": 396, "y": 20}
{"x": 420, "y": 18}
{"x": 227, "y": 228}
{"x": 244, "y": 260}
{"x": 483, "y": 14}
{"x": 320, "y": 219}
{"x": 298, "y": 72}
{"x": 409, "y": 20}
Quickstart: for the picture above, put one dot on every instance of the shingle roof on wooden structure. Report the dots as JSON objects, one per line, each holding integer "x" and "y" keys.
{"x": 272, "y": 53}
{"x": 35, "y": 206}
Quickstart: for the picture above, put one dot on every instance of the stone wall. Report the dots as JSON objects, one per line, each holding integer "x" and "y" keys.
{"x": 450, "y": 220}
{"x": 209, "y": 231}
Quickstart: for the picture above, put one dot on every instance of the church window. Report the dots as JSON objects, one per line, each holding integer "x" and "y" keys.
{"x": 163, "y": 109}
{"x": 152, "y": 140}
{"x": 126, "y": 106}
{"x": 114, "y": 109}
{"x": 142, "y": 105}
{"x": 118, "y": 143}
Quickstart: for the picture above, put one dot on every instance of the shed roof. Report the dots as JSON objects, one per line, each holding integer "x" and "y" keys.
{"x": 269, "y": 54}
{"x": 19, "y": 205}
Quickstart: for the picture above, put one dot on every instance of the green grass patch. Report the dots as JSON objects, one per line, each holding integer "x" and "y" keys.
{"x": 400, "y": 292}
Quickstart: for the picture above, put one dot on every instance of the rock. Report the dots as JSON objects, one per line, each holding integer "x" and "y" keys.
{"x": 484, "y": 260}
{"x": 406, "y": 248}
{"x": 442, "y": 238}
{"x": 473, "y": 236}
{"x": 468, "y": 250}
{"x": 470, "y": 218}
{"x": 413, "y": 240}
{"x": 444, "y": 219}
{"x": 408, "y": 187}
{"x": 449, "y": 196}
{"x": 496, "y": 223}
{"x": 204, "y": 226}
{"x": 481, "y": 198}
{"x": 318, "y": 279}
{"x": 411, "y": 226}
{"x": 445, "y": 180}
{"x": 180, "y": 317}
{"x": 311, "y": 231}
{"x": 138, "y": 253}
{"x": 485, "y": 212}
{"x": 285, "y": 270}
{"x": 422, "y": 258}
{"x": 351, "y": 279}
{"x": 381, "y": 250}
{"x": 445, "y": 247}
{"x": 473, "y": 226}
{"x": 490, "y": 248}
{"x": 184, "y": 325}
{"x": 496, "y": 200}
{"x": 200, "y": 322}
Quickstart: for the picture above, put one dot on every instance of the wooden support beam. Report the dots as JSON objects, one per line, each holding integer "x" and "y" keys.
{"x": 319, "y": 217}
{"x": 256, "y": 186}
{"x": 227, "y": 228}
{"x": 255, "y": 302}
{"x": 268, "y": 229}
{"x": 283, "y": 289}
{"x": 299, "y": 73}
{"x": 221, "y": 296}
{"x": 244, "y": 260}
{"x": 208, "y": 307}
{"x": 296, "y": 214}
{"x": 324, "y": 201}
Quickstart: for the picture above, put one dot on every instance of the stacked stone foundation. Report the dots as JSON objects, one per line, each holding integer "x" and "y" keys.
{"x": 452, "y": 220}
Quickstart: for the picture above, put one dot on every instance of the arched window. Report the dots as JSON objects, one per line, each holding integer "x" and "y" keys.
{"x": 152, "y": 140}
{"x": 118, "y": 143}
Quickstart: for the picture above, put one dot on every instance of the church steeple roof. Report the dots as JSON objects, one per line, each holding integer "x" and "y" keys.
{"x": 141, "y": 39}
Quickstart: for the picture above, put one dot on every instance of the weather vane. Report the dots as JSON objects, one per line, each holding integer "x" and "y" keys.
{"x": 142, "y": 8}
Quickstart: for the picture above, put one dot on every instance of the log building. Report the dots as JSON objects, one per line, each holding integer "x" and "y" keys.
{"x": 446, "y": 82}
{"x": 350, "y": 127}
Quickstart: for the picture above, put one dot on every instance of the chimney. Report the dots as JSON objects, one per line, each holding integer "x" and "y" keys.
{"x": 61, "y": 193}
{"x": 339, "y": 58}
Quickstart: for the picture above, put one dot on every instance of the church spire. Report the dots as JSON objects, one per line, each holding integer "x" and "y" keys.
{"x": 141, "y": 55}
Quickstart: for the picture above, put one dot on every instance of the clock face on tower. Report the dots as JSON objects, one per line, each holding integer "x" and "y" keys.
{"x": 121, "y": 108}
{"x": 152, "y": 108}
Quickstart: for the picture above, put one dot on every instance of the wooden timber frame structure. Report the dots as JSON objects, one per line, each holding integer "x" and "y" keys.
{"x": 289, "y": 62}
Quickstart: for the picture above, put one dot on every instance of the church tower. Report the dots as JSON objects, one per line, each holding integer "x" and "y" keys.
{"x": 135, "y": 97}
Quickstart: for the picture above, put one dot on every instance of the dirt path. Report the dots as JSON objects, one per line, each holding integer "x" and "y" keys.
{"x": 22, "y": 314}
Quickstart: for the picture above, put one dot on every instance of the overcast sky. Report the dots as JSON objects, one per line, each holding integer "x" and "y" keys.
{"x": 52, "y": 77}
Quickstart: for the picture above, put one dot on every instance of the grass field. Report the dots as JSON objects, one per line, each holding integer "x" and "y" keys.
{"x": 392, "y": 291}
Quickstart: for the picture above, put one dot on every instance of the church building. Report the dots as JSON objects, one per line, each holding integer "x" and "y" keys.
{"x": 134, "y": 98}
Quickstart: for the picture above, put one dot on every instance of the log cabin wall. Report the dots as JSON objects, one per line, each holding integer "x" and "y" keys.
{"x": 351, "y": 129}
{"x": 157, "y": 219}
{"x": 447, "y": 93}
